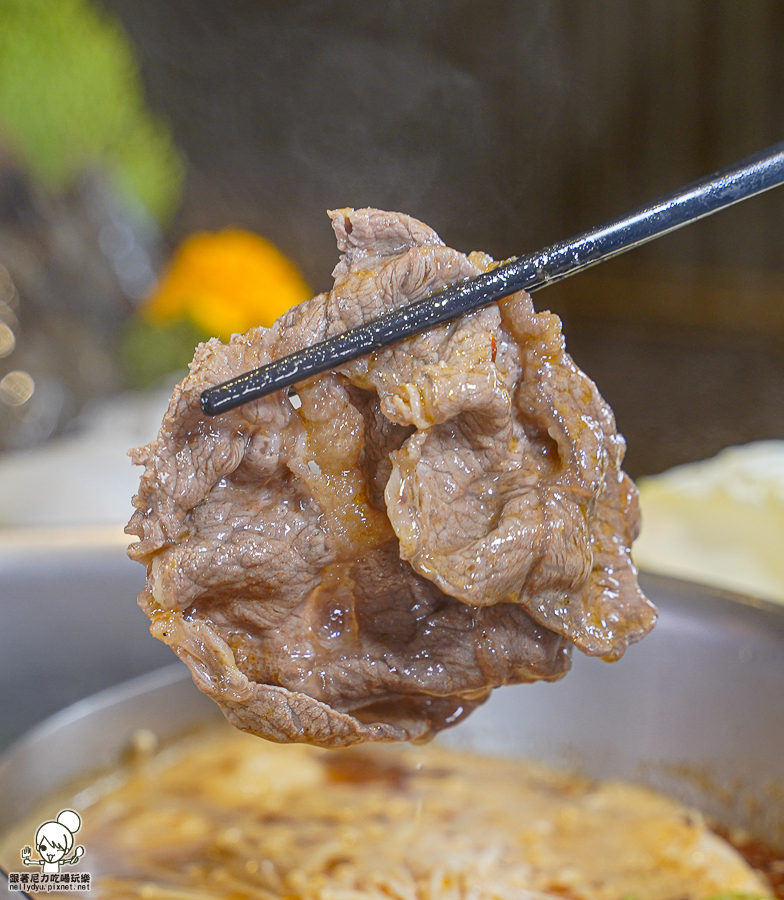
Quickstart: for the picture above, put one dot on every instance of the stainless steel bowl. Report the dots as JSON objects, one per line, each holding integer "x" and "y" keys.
{"x": 696, "y": 710}
{"x": 69, "y": 626}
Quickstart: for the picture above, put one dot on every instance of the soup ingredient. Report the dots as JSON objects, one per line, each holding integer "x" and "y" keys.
{"x": 367, "y": 559}
{"x": 223, "y": 815}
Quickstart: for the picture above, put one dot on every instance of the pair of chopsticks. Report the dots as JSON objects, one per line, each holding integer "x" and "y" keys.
{"x": 753, "y": 175}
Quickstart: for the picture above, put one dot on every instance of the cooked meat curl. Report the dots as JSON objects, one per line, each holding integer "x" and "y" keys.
{"x": 367, "y": 558}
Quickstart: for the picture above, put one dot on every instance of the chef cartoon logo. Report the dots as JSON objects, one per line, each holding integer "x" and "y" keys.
{"x": 56, "y": 847}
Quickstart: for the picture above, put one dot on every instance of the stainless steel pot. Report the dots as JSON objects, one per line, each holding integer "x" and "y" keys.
{"x": 696, "y": 710}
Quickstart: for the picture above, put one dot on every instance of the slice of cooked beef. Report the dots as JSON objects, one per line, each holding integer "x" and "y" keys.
{"x": 368, "y": 558}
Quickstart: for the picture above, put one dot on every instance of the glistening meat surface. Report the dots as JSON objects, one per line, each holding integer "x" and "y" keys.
{"x": 367, "y": 559}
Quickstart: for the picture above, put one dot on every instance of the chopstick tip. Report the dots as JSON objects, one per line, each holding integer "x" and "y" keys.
{"x": 208, "y": 404}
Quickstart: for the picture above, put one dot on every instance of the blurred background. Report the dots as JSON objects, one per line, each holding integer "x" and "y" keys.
{"x": 165, "y": 168}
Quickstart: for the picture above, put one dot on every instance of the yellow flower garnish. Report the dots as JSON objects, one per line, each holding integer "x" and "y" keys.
{"x": 226, "y": 283}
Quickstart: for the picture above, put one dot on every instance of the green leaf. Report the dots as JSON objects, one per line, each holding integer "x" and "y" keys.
{"x": 71, "y": 98}
{"x": 151, "y": 352}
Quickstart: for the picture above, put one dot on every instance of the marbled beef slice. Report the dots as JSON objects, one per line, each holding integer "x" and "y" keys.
{"x": 367, "y": 558}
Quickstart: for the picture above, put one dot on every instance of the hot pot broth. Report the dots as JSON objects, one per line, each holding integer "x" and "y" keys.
{"x": 224, "y": 815}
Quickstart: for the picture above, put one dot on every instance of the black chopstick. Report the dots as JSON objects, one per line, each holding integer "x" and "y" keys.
{"x": 751, "y": 176}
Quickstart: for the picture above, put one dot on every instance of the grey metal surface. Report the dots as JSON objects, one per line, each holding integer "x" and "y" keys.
{"x": 69, "y": 626}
